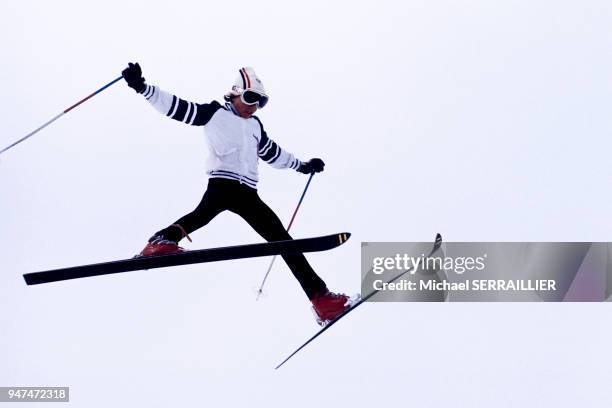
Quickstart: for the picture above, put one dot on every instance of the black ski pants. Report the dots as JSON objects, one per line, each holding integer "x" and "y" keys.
{"x": 224, "y": 194}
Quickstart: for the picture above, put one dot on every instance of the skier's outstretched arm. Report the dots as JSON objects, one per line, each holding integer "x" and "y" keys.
{"x": 191, "y": 113}
{"x": 270, "y": 152}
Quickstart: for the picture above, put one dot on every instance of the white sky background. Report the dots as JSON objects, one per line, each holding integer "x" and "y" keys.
{"x": 485, "y": 121}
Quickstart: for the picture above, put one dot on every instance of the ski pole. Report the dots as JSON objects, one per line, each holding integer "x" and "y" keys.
{"x": 58, "y": 116}
{"x": 260, "y": 290}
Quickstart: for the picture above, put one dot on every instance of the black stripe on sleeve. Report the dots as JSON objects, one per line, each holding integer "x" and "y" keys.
{"x": 151, "y": 93}
{"x": 263, "y": 141}
{"x": 263, "y": 147}
{"x": 193, "y": 109}
{"x": 204, "y": 112}
{"x": 181, "y": 110}
{"x": 272, "y": 153}
{"x": 278, "y": 153}
{"x": 174, "y": 98}
{"x": 269, "y": 151}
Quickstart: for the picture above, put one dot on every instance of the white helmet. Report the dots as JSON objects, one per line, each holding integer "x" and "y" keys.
{"x": 247, "y": 80}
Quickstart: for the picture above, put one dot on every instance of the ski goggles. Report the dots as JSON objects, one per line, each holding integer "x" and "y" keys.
{"x": 249, "y": 97}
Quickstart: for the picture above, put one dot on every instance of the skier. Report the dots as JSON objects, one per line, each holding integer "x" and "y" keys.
{"x": 236, "y": 141}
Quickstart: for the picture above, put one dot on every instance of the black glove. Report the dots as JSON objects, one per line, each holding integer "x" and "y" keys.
{"x": 133, "y": 76}
{"x": 312, "y": 166}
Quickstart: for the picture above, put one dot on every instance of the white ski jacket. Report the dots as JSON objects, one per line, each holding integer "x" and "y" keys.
{"x": 235, "y": 144}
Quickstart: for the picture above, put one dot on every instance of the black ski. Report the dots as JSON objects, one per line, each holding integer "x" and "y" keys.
{"x": 437, "y": 244}
{"x": 191, "y": 257}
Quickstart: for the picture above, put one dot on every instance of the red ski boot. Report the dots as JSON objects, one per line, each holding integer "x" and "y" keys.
{"x": 330, "y": 305}
{"x": 160, "y": 246}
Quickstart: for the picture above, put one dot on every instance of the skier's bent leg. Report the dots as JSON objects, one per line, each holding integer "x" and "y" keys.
{"x": 208, "y": 208}
{"x": 267, "y": 224}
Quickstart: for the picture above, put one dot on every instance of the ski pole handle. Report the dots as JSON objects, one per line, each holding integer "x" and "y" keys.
{"x": 59, "y": 115}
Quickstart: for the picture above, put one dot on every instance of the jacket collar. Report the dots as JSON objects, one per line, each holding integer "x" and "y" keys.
{"x": 230, "y": 107}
